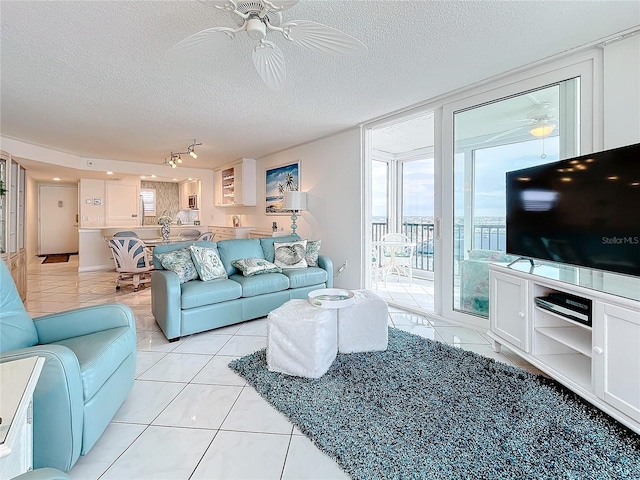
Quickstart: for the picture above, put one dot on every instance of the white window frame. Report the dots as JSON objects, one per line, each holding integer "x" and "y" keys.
{"x": 149, "y": 203}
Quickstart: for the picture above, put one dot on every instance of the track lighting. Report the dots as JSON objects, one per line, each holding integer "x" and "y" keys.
{"x": 192, "y": 148}
{"x": 176, "y": 158}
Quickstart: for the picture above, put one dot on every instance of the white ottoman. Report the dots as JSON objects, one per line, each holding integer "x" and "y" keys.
{"x": 301, "y": 339}
{"x": 363, "y": 326}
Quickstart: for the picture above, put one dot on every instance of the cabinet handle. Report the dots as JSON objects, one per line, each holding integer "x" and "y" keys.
{"x": 597, "y": 350}
{"x": 521, "y": 315}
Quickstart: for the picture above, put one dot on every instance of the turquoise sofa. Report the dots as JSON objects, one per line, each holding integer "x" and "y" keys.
{"x": 90, "y": 363}
{"x": 196, "y": 306}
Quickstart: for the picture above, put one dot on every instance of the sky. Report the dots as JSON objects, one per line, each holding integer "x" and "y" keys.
{"x": 491, "y": 164}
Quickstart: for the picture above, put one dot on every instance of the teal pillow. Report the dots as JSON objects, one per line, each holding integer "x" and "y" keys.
{"x": 313, "y": 251}
{"x": 255, "y": 266}
{"x": 179, "y": 261}
{"x": 207, "y": 263}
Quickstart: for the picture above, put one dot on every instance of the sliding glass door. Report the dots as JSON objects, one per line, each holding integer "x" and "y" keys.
{"x": 532, "y": 128}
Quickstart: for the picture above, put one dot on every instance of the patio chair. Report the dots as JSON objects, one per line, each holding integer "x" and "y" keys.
{"x": 132, "y": 261}
{"x": 397, "y": 255}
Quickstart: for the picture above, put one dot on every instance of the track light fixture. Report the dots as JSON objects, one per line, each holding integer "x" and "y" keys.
{"x": 176, "y": 158}
{"x": 192, "y": 148}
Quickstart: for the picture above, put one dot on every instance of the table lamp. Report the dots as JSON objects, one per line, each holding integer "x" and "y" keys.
{"x": 296, "y": 202}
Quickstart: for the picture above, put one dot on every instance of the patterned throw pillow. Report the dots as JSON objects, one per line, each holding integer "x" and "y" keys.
{"x": 255, "y": 266}
{"x": 290, "y": 254}
{"x": 179, "y": 261}
{"x": 313, "y": 250}
{"x": 207, "y": 263}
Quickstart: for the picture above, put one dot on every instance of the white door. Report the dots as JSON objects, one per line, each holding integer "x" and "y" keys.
{"x": 123, "y": 203}
{"x": 58, "y": 209}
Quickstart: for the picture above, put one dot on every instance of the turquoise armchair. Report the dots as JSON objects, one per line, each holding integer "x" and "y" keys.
{"x": 90, "y": 360}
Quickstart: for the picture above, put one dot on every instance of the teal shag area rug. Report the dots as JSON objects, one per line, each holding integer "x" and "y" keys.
{"x": 425, "y": 410}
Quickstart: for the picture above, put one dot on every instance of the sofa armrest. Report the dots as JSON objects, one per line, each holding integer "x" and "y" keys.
{"x": 325, "y": 263}
{"x": 83, "y": 321}
{"x": 165, "y": 302}
{"x": 58, "y": 406}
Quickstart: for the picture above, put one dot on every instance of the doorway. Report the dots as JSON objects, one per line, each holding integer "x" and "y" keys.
{"x": 401, "y": 203}
{"x": 58, "y": 219}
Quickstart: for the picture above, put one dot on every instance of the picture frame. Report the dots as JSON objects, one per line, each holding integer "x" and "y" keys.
{"x": 278, "y": 180}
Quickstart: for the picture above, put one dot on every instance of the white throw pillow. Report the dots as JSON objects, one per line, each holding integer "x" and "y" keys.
{"x": 290, "y": 254}
{"x": 207, "y": 262}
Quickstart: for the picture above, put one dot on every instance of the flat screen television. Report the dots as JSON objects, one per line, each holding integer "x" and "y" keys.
{"x": 582, "y": 211}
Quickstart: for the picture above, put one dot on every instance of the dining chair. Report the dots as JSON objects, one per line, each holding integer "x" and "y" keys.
{"x": 397, "y": 255}
{"x": 206, "y": 237}
{"x": 132, "y": 261}
{"x": 190, "y": 234}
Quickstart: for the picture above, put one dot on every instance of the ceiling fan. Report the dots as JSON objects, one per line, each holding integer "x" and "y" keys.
{"x": 540, "y": 123}
{"x": 258, "y": 18}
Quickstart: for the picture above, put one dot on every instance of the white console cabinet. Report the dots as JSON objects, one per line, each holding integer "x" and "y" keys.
{"x": 601, "y": 363}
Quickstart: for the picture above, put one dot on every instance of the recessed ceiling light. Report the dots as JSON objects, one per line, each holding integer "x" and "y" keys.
{"x": 143, "y": 176}
{"x": 109, "y": 172}
{"x": 175, "y": 179}
{"x": 153, "y": 176}
{"x": 189, "y": 179}
{"x": 56, "y": 179}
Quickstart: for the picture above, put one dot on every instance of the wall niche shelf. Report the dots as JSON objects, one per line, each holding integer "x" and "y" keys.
{"x": 235, "y": 184}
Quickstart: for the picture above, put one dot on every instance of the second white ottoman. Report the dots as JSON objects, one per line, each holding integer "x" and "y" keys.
{"x": 363, "y": 327}
{"x": 301, "y": 339}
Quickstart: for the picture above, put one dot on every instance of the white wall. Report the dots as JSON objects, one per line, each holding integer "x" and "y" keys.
{"x": 622, "y": 92}
{"x": 330, "y": 173}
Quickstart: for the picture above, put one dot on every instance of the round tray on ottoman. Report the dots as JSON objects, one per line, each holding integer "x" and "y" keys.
{"x": 331, "y": 298}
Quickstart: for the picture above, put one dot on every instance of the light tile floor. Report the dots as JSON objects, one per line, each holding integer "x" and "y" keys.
{"x": 189, "y": 416}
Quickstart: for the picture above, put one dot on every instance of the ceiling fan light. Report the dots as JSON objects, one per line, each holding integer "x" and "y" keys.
{"x": 256, "y": 29}
{"x": 542, "y": 130}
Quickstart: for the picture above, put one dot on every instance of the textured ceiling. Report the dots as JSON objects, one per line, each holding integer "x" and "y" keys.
{"x": 89, "y": 78}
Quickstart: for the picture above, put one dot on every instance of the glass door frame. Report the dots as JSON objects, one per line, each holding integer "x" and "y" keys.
{"x": 590, "y": 127}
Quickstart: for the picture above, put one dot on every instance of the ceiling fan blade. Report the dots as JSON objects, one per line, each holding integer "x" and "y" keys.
{"x": 279, "y": 5}
{"x": 201, "y": 43}
{"x": 226, "y": 5}
{"x": 503, "y": 134}
{"x": 269, "y": 61}
{"x": 321, "y": 38}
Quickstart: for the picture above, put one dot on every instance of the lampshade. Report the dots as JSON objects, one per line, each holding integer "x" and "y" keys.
{"x": 295, "y": 200}
{"x": 542, "y": 130}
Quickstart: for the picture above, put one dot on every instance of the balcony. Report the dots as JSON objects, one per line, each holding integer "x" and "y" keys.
{"x": 485, "y": 236}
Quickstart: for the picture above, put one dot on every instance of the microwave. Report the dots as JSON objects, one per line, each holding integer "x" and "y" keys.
{"x": 193, "y": 201}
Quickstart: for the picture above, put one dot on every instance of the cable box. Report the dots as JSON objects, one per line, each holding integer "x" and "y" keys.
{"x": 569, "y": 306}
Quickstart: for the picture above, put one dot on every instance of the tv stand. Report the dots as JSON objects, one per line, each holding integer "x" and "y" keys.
{"x": 600, "y": 363}
{"x": 522, "y": 258}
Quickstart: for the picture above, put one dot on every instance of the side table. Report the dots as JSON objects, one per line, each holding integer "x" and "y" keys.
{"x": 18, "y": 380}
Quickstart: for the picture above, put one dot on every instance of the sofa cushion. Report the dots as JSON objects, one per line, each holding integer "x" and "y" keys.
{"x": 290, "y": 254}
{"x": 99, "y": 355}
{"x": 198, "y": 293}
{"x": 305, "y": 277}
{"x": 261, "y": 284}
{"x": 179, "y": 261}
{"x": 207, "y": 262}
{"x": 170, "y": 247}
{"x": 267, "y": 245}
{"x": 231, "y": 250}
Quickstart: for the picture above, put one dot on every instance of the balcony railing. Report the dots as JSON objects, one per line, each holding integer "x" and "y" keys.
{"x": 486, "y": 237}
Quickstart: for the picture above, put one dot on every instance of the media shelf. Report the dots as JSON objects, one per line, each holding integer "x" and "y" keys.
{"x": 599, "y": 362}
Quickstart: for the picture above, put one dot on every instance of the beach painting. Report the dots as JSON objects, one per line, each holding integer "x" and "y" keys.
{"x": 279, "y": 180}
